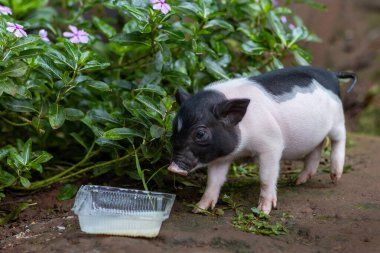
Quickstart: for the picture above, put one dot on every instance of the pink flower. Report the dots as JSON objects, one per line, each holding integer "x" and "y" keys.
{"x": 161, "y": 5}
{"x": 16, "y": 29}
{"x": 5, "y": 10}
{"x": 43, "y": 35}
{"x": 284, "y": 19}
{"x": 76, "y": 36}
{"x": 292, "y": 27}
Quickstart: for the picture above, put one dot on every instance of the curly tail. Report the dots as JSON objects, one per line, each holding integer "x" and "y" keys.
{"x": 351, "y": 75}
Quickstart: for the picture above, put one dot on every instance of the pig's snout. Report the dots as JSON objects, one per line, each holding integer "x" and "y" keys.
{"x": 173, "y": 167}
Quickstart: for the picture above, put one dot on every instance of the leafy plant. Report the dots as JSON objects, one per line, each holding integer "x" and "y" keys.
{"x": 95, "y": 88}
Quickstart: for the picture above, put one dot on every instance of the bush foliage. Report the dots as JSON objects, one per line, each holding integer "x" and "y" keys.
{"x": 106, "y": 106}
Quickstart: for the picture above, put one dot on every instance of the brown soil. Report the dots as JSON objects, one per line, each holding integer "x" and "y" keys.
{"x": 327, "y": 218}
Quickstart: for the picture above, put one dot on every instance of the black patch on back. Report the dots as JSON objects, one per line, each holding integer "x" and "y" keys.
{"x": 282, "y": 81}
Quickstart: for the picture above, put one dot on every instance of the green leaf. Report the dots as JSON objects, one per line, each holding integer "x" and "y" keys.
{"x": 29, "y": 53}
{"x": 25, "y": 182}
{"x": 134, "y": 38}
{"x": 17, "y": 69}
{"x": 96, "y": 65}
{"x": 23, "y": 42}
{"x": 314, "y": 4}
{"x": 276, "y": 63}
{"x": 98, "y": 85}
{"x": 43, "y": 158}
{"x": 214, "y": 69}
{"x": 300, "y": 59}
{"x": 6, "y": 179}
{"x": 3, "y": 153}
{"x": 156, "y": 131}
{"x": 36, "y": 166}
{"x": 101, "y": 116}
{"x": 174, "y": 34}
{"x": 17, "y": 105}
{"x": 253, "y": 48}
{"x": 47, "y": 64}
{"x": 79, "y": 139}
{"x": 60, "y": 58}
{"x": 137, "y": 13}
{"x": 67, "y": 192}
{"x": 72, "y": 50}
{"x": 278, "y": 27}
{"x": 219, "y": 23}
{"x": 73, "y": 114}
{"x": 56, "y": 116}
{"x": 147, "y": 101}
{"x": 121, "y": 133}
{"x": 26, "y": 152}
{"x": 177, "y": 78}
{"x": 153, "y": 89}
{"x": 18, "y": 161}
{"x": 8, "y": 86}
{"x": 103, "y": 27}
{"x": 189, "y": 9}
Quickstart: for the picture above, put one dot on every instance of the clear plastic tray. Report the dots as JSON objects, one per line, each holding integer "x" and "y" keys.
{"x": 120, "y": 211}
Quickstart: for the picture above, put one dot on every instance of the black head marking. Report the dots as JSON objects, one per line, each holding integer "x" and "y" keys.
{"x": 208, "y": 128}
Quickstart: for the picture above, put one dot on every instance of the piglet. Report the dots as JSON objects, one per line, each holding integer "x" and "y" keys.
{"x": 283, "y": 114}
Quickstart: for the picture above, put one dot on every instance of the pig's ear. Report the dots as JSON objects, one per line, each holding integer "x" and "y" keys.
{"x": 231, "y": 111}
{"x": 181, "y": 97}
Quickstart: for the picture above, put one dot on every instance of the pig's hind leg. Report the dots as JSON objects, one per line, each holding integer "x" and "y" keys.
{"x": 311, "y": 164}
{"x": 338, "y": 149}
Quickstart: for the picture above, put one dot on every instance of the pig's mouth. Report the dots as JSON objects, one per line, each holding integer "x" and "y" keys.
{"x": 173, "y": 167}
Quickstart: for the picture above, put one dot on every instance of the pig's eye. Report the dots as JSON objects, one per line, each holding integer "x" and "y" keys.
{"x": 201, "y": 135}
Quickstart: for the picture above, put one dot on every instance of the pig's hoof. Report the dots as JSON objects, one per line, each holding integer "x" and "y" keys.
{"x": 335, "y": 177}
{"x": 204, "y": 206}
{"x": 266, "y": 204}
{"x": 303, "y": 178}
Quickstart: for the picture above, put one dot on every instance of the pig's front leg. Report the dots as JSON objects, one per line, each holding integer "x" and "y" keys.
{"x": 269, "y": 171}
{"x": 217, "y": 173}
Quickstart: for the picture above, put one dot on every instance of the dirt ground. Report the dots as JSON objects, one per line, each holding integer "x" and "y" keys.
{"x": 326, "y": 218}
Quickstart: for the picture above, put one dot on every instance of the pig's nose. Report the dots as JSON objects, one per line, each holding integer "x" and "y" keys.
{"x": 173, "y": 167}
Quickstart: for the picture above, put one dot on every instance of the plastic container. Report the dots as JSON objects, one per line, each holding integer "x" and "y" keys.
{"x": 119, "y": 211}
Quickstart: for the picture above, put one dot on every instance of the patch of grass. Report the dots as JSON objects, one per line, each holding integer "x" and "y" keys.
{"x": 256, "y": 222}
{"x": 244, "y": 170}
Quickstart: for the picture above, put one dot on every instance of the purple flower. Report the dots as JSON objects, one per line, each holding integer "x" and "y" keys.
{"x": 16, "y": 29}
{"x": 43, "y": 35}
{"x": 292, "y": 27}
{"x": 161, "y": 5}
{"x": 5, "y": 10}
{"x": 284, "y": 19}
{"x": 76, "y": 36}
{"x": 274, "y": 2}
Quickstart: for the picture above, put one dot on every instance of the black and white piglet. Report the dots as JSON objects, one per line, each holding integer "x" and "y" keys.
{"x": 283, "y": 114}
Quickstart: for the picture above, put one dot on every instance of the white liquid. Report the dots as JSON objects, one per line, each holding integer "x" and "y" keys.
{"x": 119, "y": 225}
